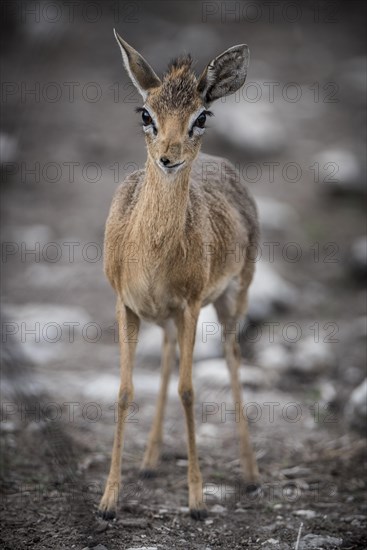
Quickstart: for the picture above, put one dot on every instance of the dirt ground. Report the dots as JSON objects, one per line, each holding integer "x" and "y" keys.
{"x": 58, "y": 394}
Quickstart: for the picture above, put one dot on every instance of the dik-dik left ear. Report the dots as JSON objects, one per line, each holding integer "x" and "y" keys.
{"x": 139, "y": 70}
{"x": 225, "y": 74}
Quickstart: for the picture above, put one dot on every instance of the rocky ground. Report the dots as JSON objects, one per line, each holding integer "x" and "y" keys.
{"x": 303, "y": 341}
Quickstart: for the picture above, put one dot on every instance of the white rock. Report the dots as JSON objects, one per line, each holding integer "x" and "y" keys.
{"x": 208, "y": 342}
{"x": 105, "y": 387}
{"x": 43, "y": 330}
{"x": 214, "y": 372}
{"x": 359, "y": 254}
{"x": 252, "y": 126}
{"x": 275, "y": 215}
{"x": 8, "y": 148}
{"x": 256, "y": 377}
{"x": 268, "y": 292}
{"x": 274, "y": 356}
{"x": 218, "y": 509}
{"x": 327, "y": 391}
{"x": 207, "y": 433}
{"x": 311, "y": 541}
{"x": 356, "y": 409}
{"x": 208, "y": 338}
{"x": 311, "y": 356}
{"x": 339, "y": 169}
{"x": 150, "y": 343}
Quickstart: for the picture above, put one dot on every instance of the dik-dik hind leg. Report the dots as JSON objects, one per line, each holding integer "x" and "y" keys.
{"x": 186, "y": 326}
{"x": 128, "y": 337}
{"x": 152, "y": 453}
{"x": 247, "y": 457}
{"x": 230, "y": 307}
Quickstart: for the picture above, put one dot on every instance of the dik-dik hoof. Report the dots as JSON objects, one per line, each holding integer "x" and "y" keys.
{"x": 108, "y": 505}
{"x": 252, "y": 488}
{"x": 199, "y": 514}
{"x": 106, "y": 514}
{"x": 147, "y": 473}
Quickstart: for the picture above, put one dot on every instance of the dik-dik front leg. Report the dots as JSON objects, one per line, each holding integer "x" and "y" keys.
{"x": 186, "y": 326}
{"x": 152, "y": 453}
{"x": 128, "y": 336}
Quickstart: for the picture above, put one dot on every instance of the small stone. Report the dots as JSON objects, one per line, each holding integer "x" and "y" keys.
{"x": 312, "y": 541}
{"x": 307, "y": 514}
{"x": 274, "y": 544}
{"x": 102, "y": 527}
{"x": 134, "y": 523}
{"x": 293, "y": 473}
{"x": 218, "y": 509}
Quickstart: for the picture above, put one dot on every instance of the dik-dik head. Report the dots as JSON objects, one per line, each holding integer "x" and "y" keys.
{"x": 175, "y": 108}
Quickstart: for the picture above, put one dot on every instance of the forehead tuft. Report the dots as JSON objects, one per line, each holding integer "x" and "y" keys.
{"x": 179, "y": 87}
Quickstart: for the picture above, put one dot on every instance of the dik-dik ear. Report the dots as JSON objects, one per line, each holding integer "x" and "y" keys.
{"x": 140, "y": 72}
{"x": 225, "y": 74}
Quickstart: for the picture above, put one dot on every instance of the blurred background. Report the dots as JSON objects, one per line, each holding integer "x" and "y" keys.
{"x": 296, "y": 133}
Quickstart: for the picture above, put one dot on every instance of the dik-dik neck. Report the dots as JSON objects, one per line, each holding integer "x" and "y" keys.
{"x": 163, "y": 204}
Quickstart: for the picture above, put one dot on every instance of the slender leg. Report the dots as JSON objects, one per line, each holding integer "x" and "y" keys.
{"x": 186, "y": 325}
{"x": 247, "y": 457}
{"x": 152, "y": 453}
{"x": 128, "y": 336}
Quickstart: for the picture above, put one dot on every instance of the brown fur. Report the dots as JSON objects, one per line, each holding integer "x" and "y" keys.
{"x": 174, "y": 243}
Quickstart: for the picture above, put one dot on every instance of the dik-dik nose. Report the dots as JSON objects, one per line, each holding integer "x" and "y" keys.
{"x": 165, "y": 161}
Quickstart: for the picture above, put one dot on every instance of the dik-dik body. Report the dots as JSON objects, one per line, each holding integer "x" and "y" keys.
{"x": 184, "y": 222}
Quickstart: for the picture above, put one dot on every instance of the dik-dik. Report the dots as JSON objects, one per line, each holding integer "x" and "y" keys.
{"x": 184, "y": 222}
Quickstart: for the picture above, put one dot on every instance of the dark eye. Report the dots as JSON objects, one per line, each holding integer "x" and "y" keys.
{"x": 147, "y": 119}
{"x": 200, "y": 121}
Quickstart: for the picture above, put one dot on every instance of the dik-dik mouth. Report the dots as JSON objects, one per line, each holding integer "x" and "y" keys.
{"x": 170, "y": 168}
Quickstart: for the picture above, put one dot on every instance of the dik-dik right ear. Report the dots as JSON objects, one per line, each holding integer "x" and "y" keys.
{"x": 225, "y": 74}
{"x": 140, "y": 72}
